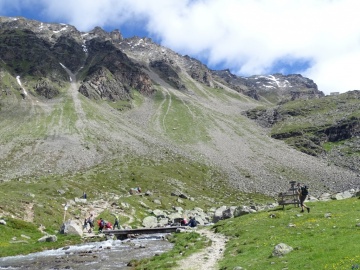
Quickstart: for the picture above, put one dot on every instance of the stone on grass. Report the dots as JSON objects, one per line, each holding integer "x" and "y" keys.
{"x": 48, "y": 238}
{"x": 156, "y": 201}
{"x": 281, "y": 250}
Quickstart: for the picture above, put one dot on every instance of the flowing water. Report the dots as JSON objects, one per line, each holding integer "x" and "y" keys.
{"x": 111, "y": 254}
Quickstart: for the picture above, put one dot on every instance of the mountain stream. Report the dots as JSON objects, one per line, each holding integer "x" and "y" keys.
{"x": 110, "y": 254}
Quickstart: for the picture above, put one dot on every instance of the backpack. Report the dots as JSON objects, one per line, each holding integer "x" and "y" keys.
{"x": 304, "y": 190}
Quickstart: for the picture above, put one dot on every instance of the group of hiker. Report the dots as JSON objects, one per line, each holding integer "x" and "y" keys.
{"x": 89, "y": 222}
{"x": 103, "y": 224}
{"x": 302, "y": 191}
{"x": 191, "y": 223}
{"x": 106, "y": 225}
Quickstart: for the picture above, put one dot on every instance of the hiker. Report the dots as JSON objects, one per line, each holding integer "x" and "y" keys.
{"x": 116, "y": 223}
{"x": 108, "y": 225}
{"x": 90, "y": 221}
{"x": 101, "y": 224}
{"x": 183, "y": 222}
{"x": 192, "y": 222}
{"x": 84, "y": 196}
{"x": 303, "y": 193}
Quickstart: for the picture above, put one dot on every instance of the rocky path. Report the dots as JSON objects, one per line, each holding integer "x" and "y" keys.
{"x": 206, "y": 259}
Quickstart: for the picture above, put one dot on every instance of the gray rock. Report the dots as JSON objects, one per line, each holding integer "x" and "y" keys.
{"x": 176, "y": 193}
{"x": 199, "y": 220}
{"x": 125, "y": 205}
{"x": 173, "y": 216}
{"x": 144, "y": 204}
{"x": 2, "y": 222}
{"x": 229, "y": 212}
{"x": 48, "y": 238}
{"x": 343, "y": 195}
{"x": 218, "y": 215}
{"x": 80, "y": 200}
{"x": 159, "y": 213}
{"x": 281, "y": 250}
{"x": 163, "y": 222}
{"x": 150, "y": 222}
{"x": 178, "y": 209}
{"x": 242, "y": 210}
{"x": 157, "y": 201}
{"x": 71, "y": 227}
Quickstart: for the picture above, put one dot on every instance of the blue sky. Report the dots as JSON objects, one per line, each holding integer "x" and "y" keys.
{"x": 319, "y": 39}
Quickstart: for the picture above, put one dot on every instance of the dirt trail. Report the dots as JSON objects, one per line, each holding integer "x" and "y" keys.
{"x": 206, "y": 259}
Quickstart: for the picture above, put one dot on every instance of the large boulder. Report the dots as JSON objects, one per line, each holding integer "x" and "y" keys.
{"x": 173, "y": 216}
{"x": 71, "y": 227}
{"x": 159, "y": 213}
{"x": 199, "y": 220}
{"x": 343, "y": 195}
{"x": 243, "y": 210}
{"x": 150, "y": 222}
{"x": 218, "y": 215}
{"x": 229, "y": 212}
{"x": 163, "y": 222}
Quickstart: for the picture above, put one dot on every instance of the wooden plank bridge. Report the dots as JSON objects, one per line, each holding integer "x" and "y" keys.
{"x": 123, "y": 234}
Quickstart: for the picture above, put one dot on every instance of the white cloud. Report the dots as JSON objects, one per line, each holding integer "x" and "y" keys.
{"x": 247, "y": 36}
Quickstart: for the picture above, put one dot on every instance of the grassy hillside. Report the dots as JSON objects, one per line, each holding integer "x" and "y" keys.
{"x": 41, "y": 200}
{"x": 326, "y": 238}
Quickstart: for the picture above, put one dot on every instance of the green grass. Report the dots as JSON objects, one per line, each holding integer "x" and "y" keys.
{"x": 318, "y": 242}
{"x": 19, "y": 237}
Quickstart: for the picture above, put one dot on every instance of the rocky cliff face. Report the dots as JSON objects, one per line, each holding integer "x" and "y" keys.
{"x": 328, "y": 127}
{"x": 36, "y": 49}
{"x": 171, "y": 67}
{"x": 274, "y": 88}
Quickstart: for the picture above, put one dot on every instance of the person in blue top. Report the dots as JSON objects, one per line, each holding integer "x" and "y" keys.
{"x": 192, "y": 222}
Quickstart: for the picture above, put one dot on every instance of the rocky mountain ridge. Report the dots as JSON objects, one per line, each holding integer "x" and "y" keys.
{"x": 78, "y": 45}
{"x": 135, "y": 97}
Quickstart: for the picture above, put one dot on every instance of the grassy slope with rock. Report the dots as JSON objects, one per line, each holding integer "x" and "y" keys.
{"x": 196, "y": 141}
{"x": 327, "y": 127}
{"x": 326, "y": 238}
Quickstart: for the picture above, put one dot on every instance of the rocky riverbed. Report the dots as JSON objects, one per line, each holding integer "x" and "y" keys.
{"x": 111, "y": 254}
